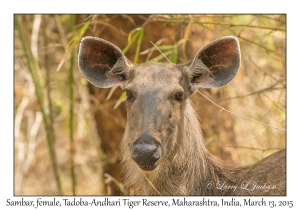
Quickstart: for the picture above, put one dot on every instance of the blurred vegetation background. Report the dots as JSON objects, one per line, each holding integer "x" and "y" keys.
{"x": 67, "y": 131}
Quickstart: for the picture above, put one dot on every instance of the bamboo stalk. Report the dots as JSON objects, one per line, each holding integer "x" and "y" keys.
{"x": 71, "y": 122}
{"x": 48, "y": 78}
{"x": 34, "y": 70}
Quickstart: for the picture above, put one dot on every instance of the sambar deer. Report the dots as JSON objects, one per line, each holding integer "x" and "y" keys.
{"x": 163, "y": 150}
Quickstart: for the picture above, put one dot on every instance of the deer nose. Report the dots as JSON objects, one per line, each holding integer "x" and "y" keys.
{"x": 145, "y": 152}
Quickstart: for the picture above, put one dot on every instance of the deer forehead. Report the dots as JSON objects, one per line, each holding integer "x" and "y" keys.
{"x": 151, "y": 76}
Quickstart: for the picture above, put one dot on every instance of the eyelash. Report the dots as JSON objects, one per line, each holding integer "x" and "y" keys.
{"x": 128, "y": 94}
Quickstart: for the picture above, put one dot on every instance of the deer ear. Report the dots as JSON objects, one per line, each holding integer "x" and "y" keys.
{"x": 102, "y": 63}
{"x": 216, "y": 64}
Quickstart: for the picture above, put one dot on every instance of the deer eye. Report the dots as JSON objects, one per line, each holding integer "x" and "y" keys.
{"x": 179, "y": 95}
{"x": 121, "y": 77}
{"x": 128, "y": 94}
{"x": 197, "y": 78}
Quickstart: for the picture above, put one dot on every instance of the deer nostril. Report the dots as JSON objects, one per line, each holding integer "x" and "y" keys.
{"x": 146, "y": 152}
{"x": 146, "y": 155}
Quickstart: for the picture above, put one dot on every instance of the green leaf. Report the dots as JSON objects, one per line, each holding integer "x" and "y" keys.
{"x": 130, "y": 43}
{"x": 174, "y": 56}
{"x": 139, "y": 43}
{"x": 73, "y": 42}
{"x": 161, "y": 56}
{"x": 165, "y": 47}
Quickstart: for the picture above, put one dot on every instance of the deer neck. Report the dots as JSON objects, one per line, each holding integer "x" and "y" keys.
{"x": 194, "y": 169}
{"x": 188, "y": 170}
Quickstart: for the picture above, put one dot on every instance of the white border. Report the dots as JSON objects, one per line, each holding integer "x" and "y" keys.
{"x": 8, "y": 8}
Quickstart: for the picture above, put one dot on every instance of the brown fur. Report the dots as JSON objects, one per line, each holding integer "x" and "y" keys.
{"x": 188, "y": 168}
{"x": 157, "y": 118}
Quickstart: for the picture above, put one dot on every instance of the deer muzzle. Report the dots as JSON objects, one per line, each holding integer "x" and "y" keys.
{"x": 146, "y": 151}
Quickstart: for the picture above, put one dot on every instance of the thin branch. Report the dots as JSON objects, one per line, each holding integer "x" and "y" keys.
{"x": 109, "y": 179}
{"x": 223, "y": 109}
{"x": 61, "y": 32}
{"x": 151, "y": 184}
{"x": 256, "y": 148}
{"x": 161, "y": 52}
{"x": 150, "y": 50}
{"x": 253, "y": 93}
{"x": 260, "y": 45}
{"x": 110, "y": 26}
{"x": 182, "y": 19}
{"x": 252, "y": 42}
{"x": 263, "y": 70}
{"x": 246, "y": 26}
{"x": 275, "y": 19}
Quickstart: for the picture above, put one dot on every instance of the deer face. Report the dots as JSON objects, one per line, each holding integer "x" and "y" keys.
{"x": 155, "y": 98}
{"x": 156, "y": 92}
